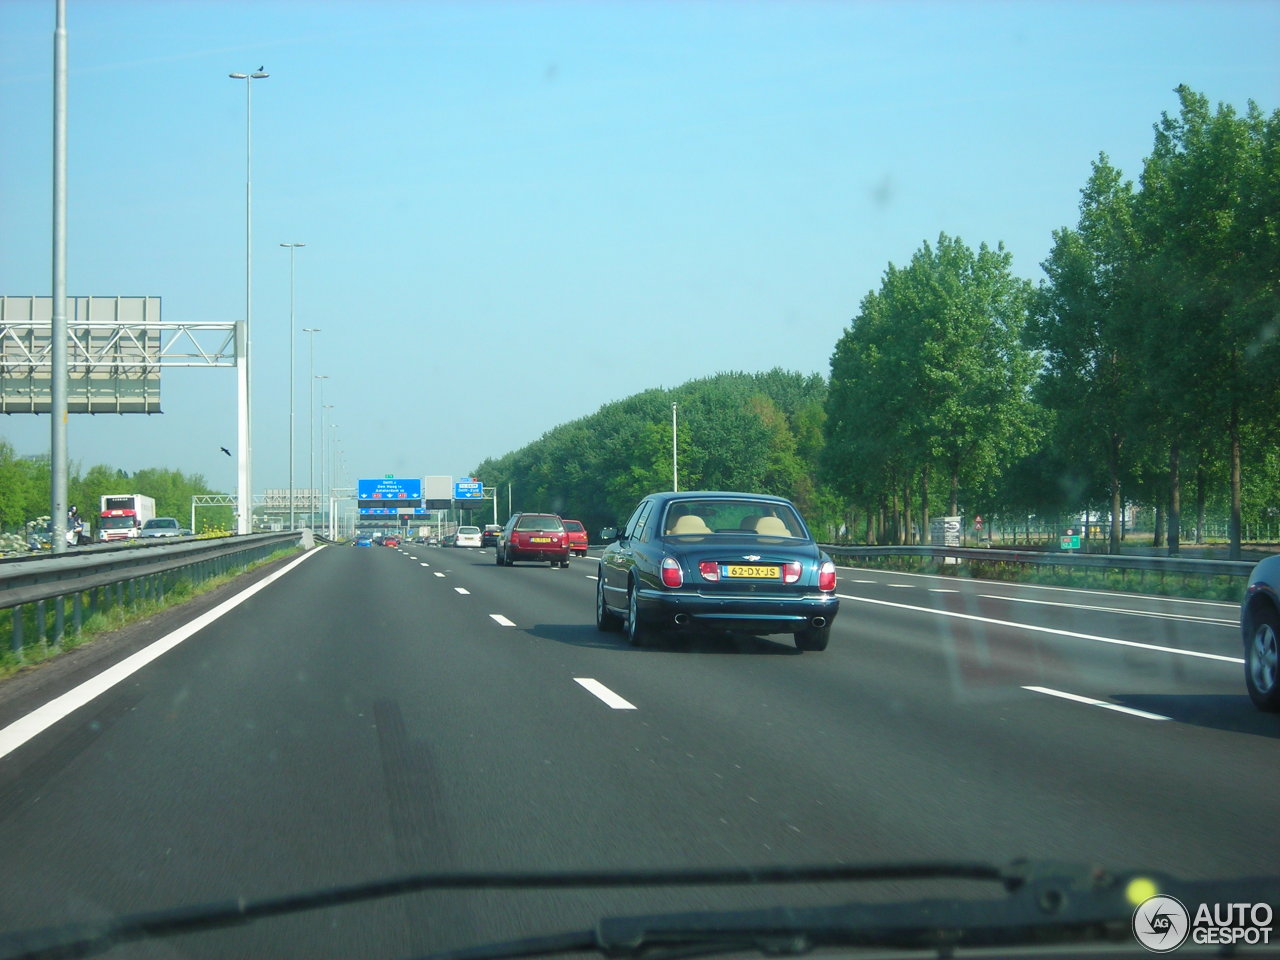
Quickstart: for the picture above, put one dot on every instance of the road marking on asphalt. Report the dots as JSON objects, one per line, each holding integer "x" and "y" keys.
{"x": 413, "y": 557}
{"x": 424, "y": 564}
{"x": 463, "y": 590}
{"x": 437, "y": 573}
{"x": 500, "y": 619}
{"x": 598, "y": 689}
{"x": 1234, "y": 623}
{"x": 1097, "y": 703}
{"x": 1060, "y": 633}
{"x": 42, "y": 718}
{"x": 942, "y": 590}
{"x": 901, "y": 586}
{"x": 1041, "y": 586}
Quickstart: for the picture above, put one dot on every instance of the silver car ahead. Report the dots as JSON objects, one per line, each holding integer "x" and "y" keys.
{"x": 163, "y": 527}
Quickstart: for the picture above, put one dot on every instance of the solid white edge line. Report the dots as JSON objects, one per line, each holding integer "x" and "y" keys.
{"x": 598, "y": 689}
{"x": 1097, "y": 703}
{"x": 42, "y": 718}
{"x": 1060, "y": 633}
{"x": 1154, "y": 614}
{"x": 1041, "y": 586}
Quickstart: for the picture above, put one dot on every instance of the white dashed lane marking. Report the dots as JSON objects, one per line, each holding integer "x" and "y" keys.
{"x": 598, "y": 689}
{"x": 500, "y": 619}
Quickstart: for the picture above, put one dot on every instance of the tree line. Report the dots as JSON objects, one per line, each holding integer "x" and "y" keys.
{"x": 1140, "y": 370}
{"x": 25, "y": 482}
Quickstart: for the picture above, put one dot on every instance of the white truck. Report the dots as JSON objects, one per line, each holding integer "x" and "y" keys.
{"x": 123, "y": 515}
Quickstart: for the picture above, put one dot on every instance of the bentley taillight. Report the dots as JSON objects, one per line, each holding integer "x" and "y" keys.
{"x": 672, "y": 575}
{"x": 827, "y": 576}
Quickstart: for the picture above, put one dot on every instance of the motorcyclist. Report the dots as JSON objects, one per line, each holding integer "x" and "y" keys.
{"x": 75, "y": 528}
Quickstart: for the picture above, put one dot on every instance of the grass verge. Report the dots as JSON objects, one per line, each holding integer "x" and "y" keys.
{"x": 38, "y": 649}
{"x": 1155, "y": 583}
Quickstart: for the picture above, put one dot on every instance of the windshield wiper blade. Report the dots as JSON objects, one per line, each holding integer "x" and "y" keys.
{"x": 1046, "y": 903}
{"x": 1043, "y": 902}
{"x": 88, "y": 939}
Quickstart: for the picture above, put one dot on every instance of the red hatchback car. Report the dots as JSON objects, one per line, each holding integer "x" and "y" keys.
{"x": 577, "y": 537}
{"x": 533, "y": 536}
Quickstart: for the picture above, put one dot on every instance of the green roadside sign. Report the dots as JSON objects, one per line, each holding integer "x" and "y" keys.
{"x": 1069, "y": 543}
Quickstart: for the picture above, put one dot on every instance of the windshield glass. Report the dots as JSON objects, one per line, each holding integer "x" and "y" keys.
{"x": 117, "y": 523}
{"x": 911, "y": 369}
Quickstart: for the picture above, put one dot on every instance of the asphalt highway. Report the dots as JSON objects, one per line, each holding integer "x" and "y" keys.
{"x": 377, "y": 711}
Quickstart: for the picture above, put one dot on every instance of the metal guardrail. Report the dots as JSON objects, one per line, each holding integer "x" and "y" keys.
{"x": 1106, "y": 561}
{"x": 134, "y": 573}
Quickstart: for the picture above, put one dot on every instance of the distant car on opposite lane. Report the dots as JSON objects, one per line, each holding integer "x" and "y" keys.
{"x": 1260, "y": 631}
{"x": 737, "y": 562}
{"x": 163, "y": 527}
{"x": 533, "y": 536}
{"x": 467, "y": 537}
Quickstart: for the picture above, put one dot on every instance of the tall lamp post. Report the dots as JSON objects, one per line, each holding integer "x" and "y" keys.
{"x": 315, "y": 492}
{"x": 244, "y": 442}
{"x": 324, "y": 436}
{"x": 292, "y": 353}
{"x": 333, "y": 479}
{"x": 675, "y": 462}
{"x": 311, "y": 429}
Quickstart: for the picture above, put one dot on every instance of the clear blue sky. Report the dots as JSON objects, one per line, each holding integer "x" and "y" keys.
{"x": 517, "y": 212}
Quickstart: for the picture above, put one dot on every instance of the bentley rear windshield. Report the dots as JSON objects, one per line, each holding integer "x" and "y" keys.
{"x": 751, "y": 517}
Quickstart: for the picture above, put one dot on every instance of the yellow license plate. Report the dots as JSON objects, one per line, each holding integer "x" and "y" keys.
{"x": 539, "y": 539}
{"x": 753, "y": 572}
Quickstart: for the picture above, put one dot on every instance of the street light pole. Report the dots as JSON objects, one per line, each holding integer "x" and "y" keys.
{"x": 324, "y": 439}
{"x": 292, "y": 390}
{"x": 333, "y": 478}
{"x": 675, "y": 463}
{"x": 244, "y": 441}
{"x": 316, "y": 492}
{"x": 311, "y": 429}
{"x": 58, "y": 321}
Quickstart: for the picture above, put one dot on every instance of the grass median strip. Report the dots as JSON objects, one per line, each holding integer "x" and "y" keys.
{"x": 1150, "y": 582}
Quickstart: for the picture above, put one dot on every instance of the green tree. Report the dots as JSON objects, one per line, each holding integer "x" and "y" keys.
{"x": 1209, "y": 218}
{"x": 932, "y": 376}
{"x": 1083, "y": 325}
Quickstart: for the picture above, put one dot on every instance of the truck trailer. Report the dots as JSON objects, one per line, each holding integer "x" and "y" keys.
{"x": 122, "y": 516}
